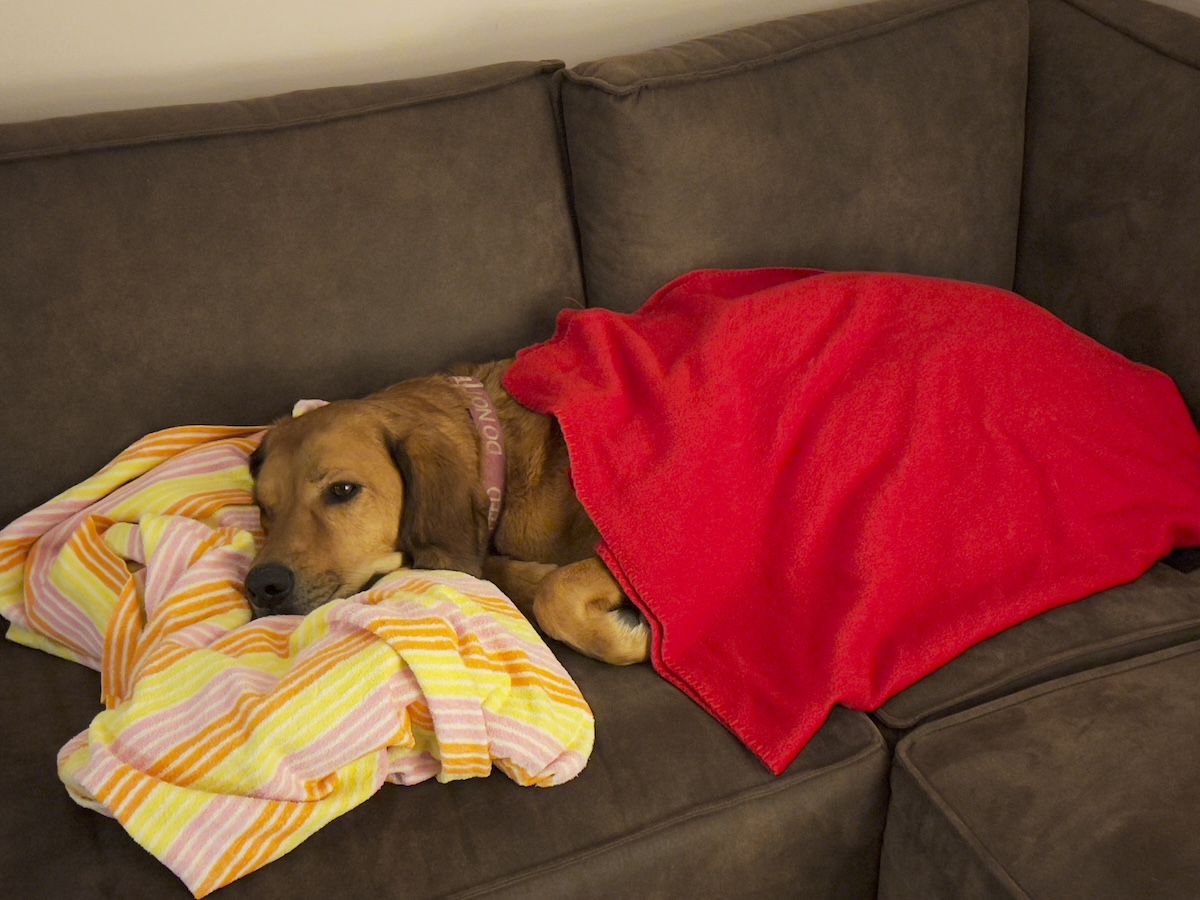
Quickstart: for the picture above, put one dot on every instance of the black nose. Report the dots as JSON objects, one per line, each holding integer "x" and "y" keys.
{"x": 270, "y": 584}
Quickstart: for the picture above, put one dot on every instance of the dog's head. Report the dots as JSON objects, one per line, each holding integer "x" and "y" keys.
{"x": 356, "y": 488}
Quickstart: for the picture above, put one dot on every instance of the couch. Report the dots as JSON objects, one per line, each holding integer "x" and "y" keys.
{"x": 213, "y": 263}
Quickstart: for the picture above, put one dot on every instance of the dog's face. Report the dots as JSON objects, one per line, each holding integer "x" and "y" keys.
{"x": 356, "y": 488}
{"x": 331, "y": 500}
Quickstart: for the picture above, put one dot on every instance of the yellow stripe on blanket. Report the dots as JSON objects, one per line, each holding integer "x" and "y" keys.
{"x": 226, "y": 742}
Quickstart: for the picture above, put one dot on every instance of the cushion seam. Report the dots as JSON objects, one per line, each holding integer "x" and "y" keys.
{"x": 967, "y": 834}
{"x": 1046, "y": 689}
{"x": 1000, "y": 683}
{"x": 1127, "y": 31}
{"x": 296, "y": 121}
{"x": 736, "y": 68}
{"x": 903, "y": 754}
{"x": 776, "y": 786}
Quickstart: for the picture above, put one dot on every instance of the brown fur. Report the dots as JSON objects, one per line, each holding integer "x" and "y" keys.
{"x": 407, "y": 460}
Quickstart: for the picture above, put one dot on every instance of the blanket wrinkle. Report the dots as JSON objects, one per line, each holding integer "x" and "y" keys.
{"x": 226, "y": 742}
{"x": 820, "y": 487}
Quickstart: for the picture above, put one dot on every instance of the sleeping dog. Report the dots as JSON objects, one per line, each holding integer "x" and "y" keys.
{"x": 441, "y": 472}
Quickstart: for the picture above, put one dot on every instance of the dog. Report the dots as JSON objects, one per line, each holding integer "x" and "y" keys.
{"x": 437, "y": 472}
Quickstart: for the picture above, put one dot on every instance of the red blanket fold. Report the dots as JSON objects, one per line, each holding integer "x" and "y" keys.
{"x": 821, "y": 487}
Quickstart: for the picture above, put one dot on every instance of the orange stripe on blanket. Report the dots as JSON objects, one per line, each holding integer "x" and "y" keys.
{"x": 106, "y": 568}
{"x": 126, "y": 791}
{"x": 419, "y": 668}
{"x": 191, "y": 760}
{"x": 258, "y": 845}
{"x": 254, "y": 638}
{"x": 191, "y": 606}
{"x": 120, "y": 646}
{"x": 209, "y": 505}
{"x": 418, "y": 713}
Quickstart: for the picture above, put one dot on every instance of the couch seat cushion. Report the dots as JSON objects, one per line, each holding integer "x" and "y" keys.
{"x": 1083, "y": 787}
{"x": 1158, "y": 610}
{"x": 670, "y": 805}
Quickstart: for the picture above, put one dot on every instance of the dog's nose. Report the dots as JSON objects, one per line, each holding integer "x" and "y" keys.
{"x": 270, "y": 584}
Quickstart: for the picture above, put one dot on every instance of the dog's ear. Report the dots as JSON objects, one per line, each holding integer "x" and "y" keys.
{"x": 257, "y": 458}
{"x": 444, "y": 524}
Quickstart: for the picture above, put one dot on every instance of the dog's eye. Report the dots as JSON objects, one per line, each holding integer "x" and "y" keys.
{"x": 341, "y": 491}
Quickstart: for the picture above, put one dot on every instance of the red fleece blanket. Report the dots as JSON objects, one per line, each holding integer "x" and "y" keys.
{"x": 821, "y": 487}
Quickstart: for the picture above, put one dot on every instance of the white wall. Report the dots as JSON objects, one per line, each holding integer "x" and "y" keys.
{"x": 60, "y": 57}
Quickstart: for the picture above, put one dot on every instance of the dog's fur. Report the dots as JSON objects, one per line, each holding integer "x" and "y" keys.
{"x": 357, "y": 488}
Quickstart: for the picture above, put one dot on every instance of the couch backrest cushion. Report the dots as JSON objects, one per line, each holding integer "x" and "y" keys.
{"x": 1110, "y": 226}
{"x": 215, "y": 263}
{"x": 886, "y": 136}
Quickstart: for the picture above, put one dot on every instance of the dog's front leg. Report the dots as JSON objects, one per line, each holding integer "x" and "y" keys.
{"x": 518, "y": 579}
{"x": 582, "y": 605}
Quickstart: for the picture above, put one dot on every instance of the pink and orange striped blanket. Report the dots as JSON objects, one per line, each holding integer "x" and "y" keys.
{"x": 224, "y": 742}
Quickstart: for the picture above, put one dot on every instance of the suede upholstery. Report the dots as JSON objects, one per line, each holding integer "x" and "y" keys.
{"x": 1110, "y": 223}
{"x": 668, "y": 800}
{"x": 165, "y": 266}
{"x": 215, "y": 263}
{"x": 883, "y": 137}
{"x": 1158, "y": 610}
{"x": 1083, "y": 787}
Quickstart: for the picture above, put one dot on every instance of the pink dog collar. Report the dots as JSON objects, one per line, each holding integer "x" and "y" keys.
{"x": 491, "y": 444}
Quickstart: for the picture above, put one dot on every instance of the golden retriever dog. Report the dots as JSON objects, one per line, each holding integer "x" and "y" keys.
{"x": 440, "y": 472}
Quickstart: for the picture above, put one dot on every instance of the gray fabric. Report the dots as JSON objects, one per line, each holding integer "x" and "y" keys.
{"x": 1160, "y": 609}
{"x": 670, "y": 805}
{"x": 217, "y": 263}
{"x": 1084, "y": 787}
{"x": 1110, "y": 227}
{"x": 884, "y": 136}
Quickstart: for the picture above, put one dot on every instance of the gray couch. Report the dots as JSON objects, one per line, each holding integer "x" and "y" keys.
{"x": 214, "y": 263}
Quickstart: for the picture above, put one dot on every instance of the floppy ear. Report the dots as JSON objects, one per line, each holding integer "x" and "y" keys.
{"x": 444, "y": 524}
{"x": 257, "y": 458}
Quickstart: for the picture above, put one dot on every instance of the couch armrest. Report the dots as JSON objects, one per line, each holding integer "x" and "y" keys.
{"x": 1110, "y": 220}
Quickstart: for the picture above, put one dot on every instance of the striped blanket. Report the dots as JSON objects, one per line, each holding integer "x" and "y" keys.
{"x": 224, "y": 743}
